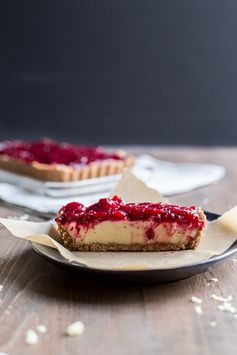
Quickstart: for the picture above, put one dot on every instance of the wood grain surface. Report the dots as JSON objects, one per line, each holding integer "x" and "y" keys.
{"x": 120, "y": 319}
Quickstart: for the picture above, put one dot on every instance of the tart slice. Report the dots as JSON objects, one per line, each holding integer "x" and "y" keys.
{"x": 51, "y": 161}
{"x": 112, "y": 225}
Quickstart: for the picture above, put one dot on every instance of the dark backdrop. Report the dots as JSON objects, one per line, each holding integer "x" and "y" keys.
{"x": 119, "y": 71}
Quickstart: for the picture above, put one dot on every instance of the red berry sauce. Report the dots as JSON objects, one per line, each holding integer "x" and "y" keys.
{"x": 47, "y": 151}
{"x": 116, "y": 210}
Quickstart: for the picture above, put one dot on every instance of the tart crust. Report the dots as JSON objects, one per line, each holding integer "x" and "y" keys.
{"x": 64, "y": 173}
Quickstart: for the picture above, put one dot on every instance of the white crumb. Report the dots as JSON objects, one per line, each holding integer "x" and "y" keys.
{"x": 31, "y": 337}
{"x": 1, "y": 287}
{"x": 75, "y": 329}
{"x": 205, "y": 201}
{"x": 42, "y": 328}
{"x": 214, "y": 279}
{"x": 198, "y": 309}
{"x": 208, "y": 284}
{"x": 222, "y": 299}
{"x": 227, "y": 307}
{"x": 234, "y": 260}
{"x": 195, "y": 299}
{"x": 24, "y": 217}
{"x": 212, "y": 323}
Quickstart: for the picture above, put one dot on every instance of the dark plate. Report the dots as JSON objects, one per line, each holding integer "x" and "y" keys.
{"x": 139, "y": 276}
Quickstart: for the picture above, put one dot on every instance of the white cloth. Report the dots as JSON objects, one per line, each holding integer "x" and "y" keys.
{"x": 167, "y": 177}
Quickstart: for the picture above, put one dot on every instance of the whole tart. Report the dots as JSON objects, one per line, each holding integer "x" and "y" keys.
{"x": 51, "y": 161}
{"x": 112, "y": 225}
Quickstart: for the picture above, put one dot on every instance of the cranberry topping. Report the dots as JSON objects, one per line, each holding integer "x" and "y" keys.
{"x": 116, "y": 210}
{"x": 47, "y": 151}
{"x": 150, "y": 234}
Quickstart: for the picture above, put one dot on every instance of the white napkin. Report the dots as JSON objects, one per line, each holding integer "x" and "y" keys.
{"x": 167, "y": 177}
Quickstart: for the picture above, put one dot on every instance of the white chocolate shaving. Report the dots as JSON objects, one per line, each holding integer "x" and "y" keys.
{"x": 198, "y": 310}
{"x": 227, "y": 307}
{"x": 42, "y": 328}
{"x": 212, "y": 323}
{"x": 195, "y": 299}
{"x": 75, "y": 329}
{"x": 31, "y": 337}
{"x": 214, "y": 279}
{"x": 222, "y": 299}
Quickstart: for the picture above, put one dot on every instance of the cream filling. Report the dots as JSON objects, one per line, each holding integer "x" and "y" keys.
{"x": 127, "y": 232}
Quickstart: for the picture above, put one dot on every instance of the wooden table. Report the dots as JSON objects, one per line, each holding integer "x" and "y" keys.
{"x": 120, "y": 319}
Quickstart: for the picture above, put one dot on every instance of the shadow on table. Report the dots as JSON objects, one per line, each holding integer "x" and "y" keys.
{"x": 36, "y": 277}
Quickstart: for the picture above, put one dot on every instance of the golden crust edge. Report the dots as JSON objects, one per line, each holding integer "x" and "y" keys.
{"x": 62, "y": 173}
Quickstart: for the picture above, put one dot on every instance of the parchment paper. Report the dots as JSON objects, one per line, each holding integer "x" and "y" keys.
{"x": 218, "y": 237}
